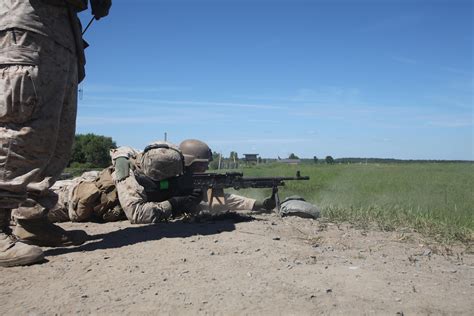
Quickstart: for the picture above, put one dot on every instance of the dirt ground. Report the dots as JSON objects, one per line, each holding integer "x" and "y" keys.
{"x": 239, "y": 265}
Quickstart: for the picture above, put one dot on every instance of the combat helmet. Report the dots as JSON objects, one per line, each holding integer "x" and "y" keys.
{"x": 162, "y": 160}
{"x": 195, "y": 151}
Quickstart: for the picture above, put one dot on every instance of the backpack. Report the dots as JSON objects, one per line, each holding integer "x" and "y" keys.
{"x": 95, "y": 198}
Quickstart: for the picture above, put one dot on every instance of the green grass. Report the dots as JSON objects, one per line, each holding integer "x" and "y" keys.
{"x": 435, "y": 199}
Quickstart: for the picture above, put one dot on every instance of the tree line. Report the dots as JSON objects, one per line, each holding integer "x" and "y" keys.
{"x": 92, "y": 151}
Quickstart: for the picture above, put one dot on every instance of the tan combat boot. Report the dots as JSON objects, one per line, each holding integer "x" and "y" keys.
{"x": 13, "y": 252}
{"x": 41, "y": 232}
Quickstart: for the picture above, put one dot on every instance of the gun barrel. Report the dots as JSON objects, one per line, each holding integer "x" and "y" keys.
{"x": 275, "y": 178}
{"x": 237, "y": 181}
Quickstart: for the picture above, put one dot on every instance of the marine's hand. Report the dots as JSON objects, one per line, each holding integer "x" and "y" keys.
{"x": 265, "y": 206}
{"x": 185, "y": 203}
{"x": 100, "y": 8}
{"x": 269, "y": 203}
{"x": 195, "y": 197}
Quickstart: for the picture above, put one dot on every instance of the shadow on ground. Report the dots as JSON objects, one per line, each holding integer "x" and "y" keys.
{"x": 136, "y": 234}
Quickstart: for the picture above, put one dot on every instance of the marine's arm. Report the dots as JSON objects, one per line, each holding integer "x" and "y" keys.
{"x": 131, "y": 194}
{"x": 137, "y": 208}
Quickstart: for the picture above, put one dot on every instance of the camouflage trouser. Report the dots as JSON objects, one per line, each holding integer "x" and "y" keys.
{"x": 38, "y": 103}
{"x": 233, "y": 202}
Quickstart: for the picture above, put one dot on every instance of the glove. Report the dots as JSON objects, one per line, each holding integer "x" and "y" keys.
{"x": 264, "y": 206}
{"x": 180, "y": 204}
{"x": 100, "y": 8}
{"x": 195, "y": 197}
{"x": 269, "y": 203}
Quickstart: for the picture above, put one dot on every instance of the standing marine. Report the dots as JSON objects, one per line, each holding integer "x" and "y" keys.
{"x": 41, "y": 63}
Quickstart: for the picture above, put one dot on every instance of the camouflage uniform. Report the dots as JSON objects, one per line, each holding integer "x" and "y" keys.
{"x": 135, "y": 192}
{"x": 232, "y": 202}
{"x": 138, "y": 195}
{"x": 38, "y": 101}
{"x": 82, "y": 198}
{"x": 197, "y": 156}
{"x": 67, "y": 191}
{"x": 40, "y": 48}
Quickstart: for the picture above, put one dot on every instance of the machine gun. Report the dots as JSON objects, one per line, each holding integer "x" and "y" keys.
{"x": 215, "y": 183}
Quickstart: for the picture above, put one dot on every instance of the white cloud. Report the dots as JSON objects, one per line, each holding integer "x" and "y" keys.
{"x": 135, "y": 101}
{"x": 260, "y": 141}
{"x": 457, "y": 71}
{"x": 106, "y": 88}
{"x": 404, "y": 60}
{"x": 451, "y": 123}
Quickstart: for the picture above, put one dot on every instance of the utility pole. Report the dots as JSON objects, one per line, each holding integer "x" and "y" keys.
{"x": 166, "y": 136}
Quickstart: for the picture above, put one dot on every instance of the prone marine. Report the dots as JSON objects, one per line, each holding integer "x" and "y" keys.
{"x": 136, "y": 187}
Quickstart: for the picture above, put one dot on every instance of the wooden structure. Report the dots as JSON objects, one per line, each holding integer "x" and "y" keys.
{"x": 251, "y": 158}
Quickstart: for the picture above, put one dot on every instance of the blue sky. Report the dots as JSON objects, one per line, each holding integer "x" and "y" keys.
{"x": 356, "y": 78}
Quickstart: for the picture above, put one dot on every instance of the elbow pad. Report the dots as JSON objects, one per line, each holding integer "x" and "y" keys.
{"x": 122, "y": 168}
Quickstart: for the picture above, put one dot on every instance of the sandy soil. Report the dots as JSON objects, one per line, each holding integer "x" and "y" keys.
{"x": 234, "y": 266}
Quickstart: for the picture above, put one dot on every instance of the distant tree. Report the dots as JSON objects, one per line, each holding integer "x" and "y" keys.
{"x": 293, "y": 156}
{"x": 329, "y": 160}
{"x": 233, "y": 160}
{"x": 259, "y": 159}
{"x": 91, "y": 150}
{"x": 315, "y": 159}
{"x": 234, "y": 156}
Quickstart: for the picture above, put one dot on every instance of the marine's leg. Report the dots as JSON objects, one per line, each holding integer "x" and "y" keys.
{"x": 233, "y": 202}
{"x": 36, "y": 97}
{"x": 59, "y": 212}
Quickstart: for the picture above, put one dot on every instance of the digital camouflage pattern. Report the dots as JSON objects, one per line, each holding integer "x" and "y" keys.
{"x": 38, "y": 103}
{"x": 138, "y": 206}
{"x": 136, "y": 196}
{"x": 161, "y": 160}
{"x": 37, "y": 116}
{"x": 231, "y": 202}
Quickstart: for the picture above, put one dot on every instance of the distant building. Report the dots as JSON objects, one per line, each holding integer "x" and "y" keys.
{"x": 251, "y": 158}
{"x": 290, "y": 161}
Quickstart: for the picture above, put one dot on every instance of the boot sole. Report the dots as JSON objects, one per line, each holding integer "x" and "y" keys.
{"x": 45, "y": 244}
{"x": 21, "y": 261}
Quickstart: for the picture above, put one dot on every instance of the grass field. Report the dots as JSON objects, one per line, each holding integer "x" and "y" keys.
{"x": 435, "y": 199}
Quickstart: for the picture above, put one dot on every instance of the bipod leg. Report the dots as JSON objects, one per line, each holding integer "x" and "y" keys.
{"x": 276, "y": 197}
